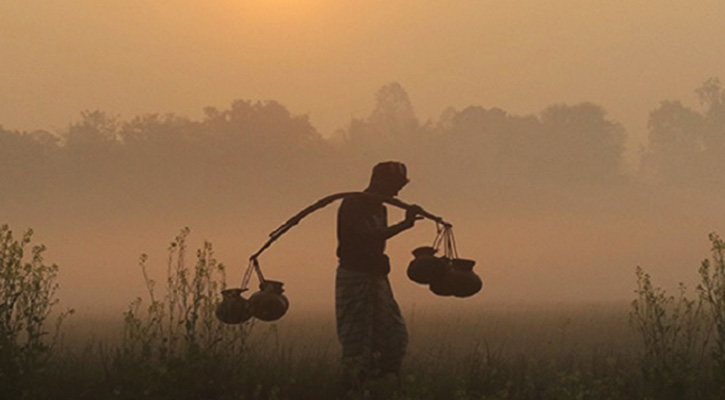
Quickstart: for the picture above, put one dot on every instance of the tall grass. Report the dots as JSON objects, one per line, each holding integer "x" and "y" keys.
{"x": 674, "y": 330}
{"x": 712, "y": 295}
{"x": 172, "y": 346}
{"x": 27, "y": 298}
{"x": 176, "y": 338}
{"x": 684, "y": 338}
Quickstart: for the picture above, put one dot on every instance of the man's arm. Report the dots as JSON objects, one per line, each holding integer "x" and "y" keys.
{"x": 352, "y": 221}
{"x": 412, "y": 214}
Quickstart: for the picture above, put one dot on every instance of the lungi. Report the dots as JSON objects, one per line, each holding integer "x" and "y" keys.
{"x": 370, "y": 326}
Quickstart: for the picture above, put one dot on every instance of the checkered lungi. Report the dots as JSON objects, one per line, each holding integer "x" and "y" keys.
{"x": 369, "y": 325}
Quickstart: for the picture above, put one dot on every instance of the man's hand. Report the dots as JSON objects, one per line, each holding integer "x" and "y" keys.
{"x": 412, "y": 213}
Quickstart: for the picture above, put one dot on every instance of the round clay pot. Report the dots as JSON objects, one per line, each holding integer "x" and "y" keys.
{"x": 457, "y": 279}
{"x": 233, "y": 309}
{"x": 424, "y": 266}
{"x": 269, "y": 304}
{"x": 463, "y": 281}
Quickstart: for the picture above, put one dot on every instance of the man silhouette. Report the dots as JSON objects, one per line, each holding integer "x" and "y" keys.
{"x": 369, "y": 324}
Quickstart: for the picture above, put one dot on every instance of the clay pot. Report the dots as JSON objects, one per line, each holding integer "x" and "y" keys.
{"x": 269, "y": 304}
{"x": 233, "y": 309}
{"x": 425, "y": 265}
{"x": 458, "y": 279}
{"x": 463, "y": 280}
{"x": 440, "y": 288}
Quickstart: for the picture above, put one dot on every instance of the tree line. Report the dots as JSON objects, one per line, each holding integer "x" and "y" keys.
{"x": 252, "y": 149}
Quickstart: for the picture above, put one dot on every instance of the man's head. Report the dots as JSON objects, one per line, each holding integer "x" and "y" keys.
{"x": 388, "y": 178}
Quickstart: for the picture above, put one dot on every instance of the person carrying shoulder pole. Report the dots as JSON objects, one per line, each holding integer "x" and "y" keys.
{"x": 370, "y": 326}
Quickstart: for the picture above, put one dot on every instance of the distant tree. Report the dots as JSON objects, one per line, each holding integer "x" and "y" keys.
{"x": 96, "y": 130}
{"x": 483, "y": 140}
{"x": 15, "y": 146}
{"x": 153, "y": 130}
{"x": 711, "y": 94}
{"x": 92, "y": 150}
{"x": 27, "y": 161}
{"x": 260, "y": 123}
{"x": 391, "y": 123}
{"x": 478, "y": 123}
{"x": 686, "y": 147}
{"x": 393, "y": 115}
{"x": 579, "y": 143}
{"x": 675, "y": 143}
{"x": 261, "y": 144}
{"x": 712, "y": 97}
{"x": 567, "y": 144}
{"x": 160, "y": 153}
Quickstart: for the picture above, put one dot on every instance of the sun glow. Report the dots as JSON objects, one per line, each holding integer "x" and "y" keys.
{"x": 280, "y": 10}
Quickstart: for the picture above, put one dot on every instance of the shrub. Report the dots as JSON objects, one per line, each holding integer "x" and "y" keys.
{"x": 712, "y": 294}
{"x": 176, "y": 348}
{"x": 27, "y": 299}
{"x": 674, "y": 332}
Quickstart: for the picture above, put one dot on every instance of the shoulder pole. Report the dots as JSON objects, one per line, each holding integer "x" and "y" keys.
{"x": 329, "y": 199}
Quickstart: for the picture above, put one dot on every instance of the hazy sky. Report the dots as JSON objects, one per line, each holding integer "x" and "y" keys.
{"x": 328, "y": 57}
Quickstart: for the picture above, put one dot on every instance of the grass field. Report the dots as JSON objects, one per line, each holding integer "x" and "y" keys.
{"x": 168, "y": 345}
{"x": 510, "y": 352}
{"x": 517, "y": 352}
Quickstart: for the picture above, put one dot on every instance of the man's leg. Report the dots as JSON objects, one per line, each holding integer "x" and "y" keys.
{"x": 391, "y": 334}
{"x": 354, "y": 299}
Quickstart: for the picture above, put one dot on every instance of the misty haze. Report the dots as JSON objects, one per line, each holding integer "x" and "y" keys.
{"x": 545, "y": 203}
{"x": 169, "y": 138}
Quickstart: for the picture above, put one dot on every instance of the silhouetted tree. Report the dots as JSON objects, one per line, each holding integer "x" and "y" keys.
{"x": 264, "y": 143}
{"x": 685, "y": 147}
{"x": 391, "y": 123}
{"x": 675, "y": 143}
{"x": 712, "y": 97}
{"x": 161, "y": 157}
{"x": 260, "y": 124}
{"x": 579, "y": 144}
{"x": 244, "y": 152}
{"x": 393, "y": 115}
{"x": 490, "y": 141}
{"x": 567, "y": 144}
{"x": 26, "y": 163}
{"x": 95, "y": 131}
{"x": 155, "y": 130}
{"x": 91, "y": 159}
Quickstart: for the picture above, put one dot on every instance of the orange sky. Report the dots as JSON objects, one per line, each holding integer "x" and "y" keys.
{"x": 327, "y": 58}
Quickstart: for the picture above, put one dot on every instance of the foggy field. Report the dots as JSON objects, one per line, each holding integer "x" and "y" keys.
{"x": 544, "y": 203}
{"x": 509, "y": 351}
{"x": 168, "y": 344}
{"x": 507, "y": 329}
{"x": 577, "y": 148}
{"x": 506, "y": 352}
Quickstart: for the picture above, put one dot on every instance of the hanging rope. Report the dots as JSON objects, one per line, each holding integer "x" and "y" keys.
{"x": 252, "y": 267}
{"x": 277, "y": 233}
{"x": 446, "y": 239}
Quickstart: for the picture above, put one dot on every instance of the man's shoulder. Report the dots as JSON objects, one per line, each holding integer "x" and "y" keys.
{"x": 355, "y": 199}
{"x": 359, "y": 203}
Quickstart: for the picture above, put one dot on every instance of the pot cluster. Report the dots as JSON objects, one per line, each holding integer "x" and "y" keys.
{"x": 444, "y": 276}
{"x": 268, "y": 304}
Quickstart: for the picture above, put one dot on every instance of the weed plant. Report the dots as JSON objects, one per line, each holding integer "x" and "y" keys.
{"x": 712, "y": 295}
{"x": 27, "y": 298}
{"x": 674, "y": 331}
{"x": 176, "y": 339}
{"x": 683, "y": 338}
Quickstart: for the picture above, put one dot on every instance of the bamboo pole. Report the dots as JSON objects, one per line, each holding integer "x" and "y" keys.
{"x": 326, "y": 201}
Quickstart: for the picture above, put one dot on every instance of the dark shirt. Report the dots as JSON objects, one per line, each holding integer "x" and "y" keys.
{"x": 361, "y": 225}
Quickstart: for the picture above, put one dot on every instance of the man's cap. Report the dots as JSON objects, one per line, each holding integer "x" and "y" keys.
{"x": 389, "y": 172}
